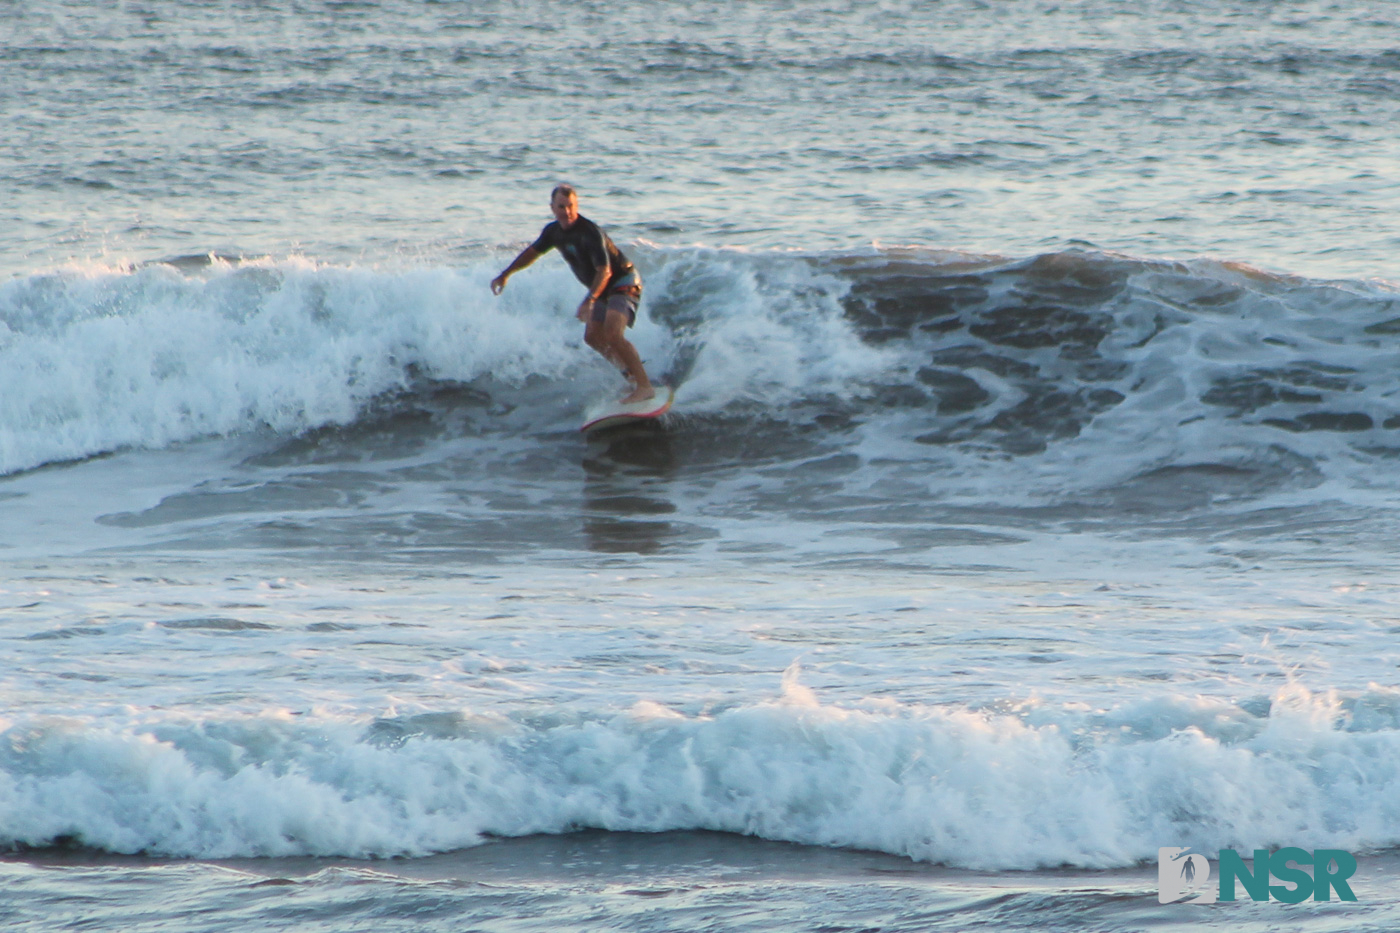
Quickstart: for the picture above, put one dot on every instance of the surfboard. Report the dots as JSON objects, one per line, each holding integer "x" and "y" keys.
{"x": 610, "y": 413}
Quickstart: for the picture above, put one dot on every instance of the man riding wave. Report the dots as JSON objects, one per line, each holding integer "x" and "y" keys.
{"x": 614, "y": 285}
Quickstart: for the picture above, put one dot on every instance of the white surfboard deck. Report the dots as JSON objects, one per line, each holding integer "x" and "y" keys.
{"x": 610, "y": 413}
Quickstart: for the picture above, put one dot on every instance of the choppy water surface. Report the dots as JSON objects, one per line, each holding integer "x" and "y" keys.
{"x": 1259, "y": 132}
{"x": 1028, "y": 504}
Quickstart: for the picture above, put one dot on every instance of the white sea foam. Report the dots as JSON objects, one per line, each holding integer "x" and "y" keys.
{"x": 945, "y": 784}
{"x": 762, "y": 327}
{"x": 102, "y": 359}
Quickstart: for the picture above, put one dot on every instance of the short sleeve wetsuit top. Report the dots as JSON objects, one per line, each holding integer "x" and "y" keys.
{"x": 586, "y": 248}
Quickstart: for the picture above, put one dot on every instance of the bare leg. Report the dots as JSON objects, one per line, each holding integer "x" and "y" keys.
{"x": 609, "y": 339}
{"x": 593, "y": 336}
{"x": 595, "y": 340}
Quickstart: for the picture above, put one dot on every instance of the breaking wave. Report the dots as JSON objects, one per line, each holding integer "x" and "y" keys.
{"x": 1087, "y": 362}
{"x": 1024, "y": 788}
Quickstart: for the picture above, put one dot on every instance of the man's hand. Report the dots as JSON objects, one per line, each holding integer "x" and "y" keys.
{"x": 498, "y": 284}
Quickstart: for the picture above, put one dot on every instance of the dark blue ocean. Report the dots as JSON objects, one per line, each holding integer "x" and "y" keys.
{"x": 1028, "y": 505}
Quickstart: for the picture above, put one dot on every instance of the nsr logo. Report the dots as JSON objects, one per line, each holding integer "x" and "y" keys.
{"x": 1184, "y": 876}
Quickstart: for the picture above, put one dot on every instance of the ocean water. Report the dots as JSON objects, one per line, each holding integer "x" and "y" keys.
{"x": 1029, "y": 502}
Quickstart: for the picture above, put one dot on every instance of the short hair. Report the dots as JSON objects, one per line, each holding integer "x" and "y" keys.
{"x": 565, "y": 190}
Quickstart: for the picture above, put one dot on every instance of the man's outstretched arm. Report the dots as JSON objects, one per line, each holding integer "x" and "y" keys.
{"x": 526, "y": 257}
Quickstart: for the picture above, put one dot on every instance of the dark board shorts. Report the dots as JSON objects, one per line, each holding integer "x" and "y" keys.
{"x": 623, "y": 297}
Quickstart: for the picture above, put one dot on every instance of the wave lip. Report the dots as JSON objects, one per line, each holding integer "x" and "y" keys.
{"x": 965, "y": 788}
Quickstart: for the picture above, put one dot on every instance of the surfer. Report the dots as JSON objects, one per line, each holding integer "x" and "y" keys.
{"x": 614, "y": 285}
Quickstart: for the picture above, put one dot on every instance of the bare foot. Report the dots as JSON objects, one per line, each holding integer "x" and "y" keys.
{"x": 640, "y": 394}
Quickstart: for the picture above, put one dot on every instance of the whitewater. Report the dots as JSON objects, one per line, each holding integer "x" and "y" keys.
{"x": 1028, "y": 503}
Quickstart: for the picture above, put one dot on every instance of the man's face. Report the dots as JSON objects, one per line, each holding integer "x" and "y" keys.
{"x": 565, "y": 207}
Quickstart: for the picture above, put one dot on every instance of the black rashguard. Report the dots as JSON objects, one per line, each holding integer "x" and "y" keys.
{"x": 586, "y": 248}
